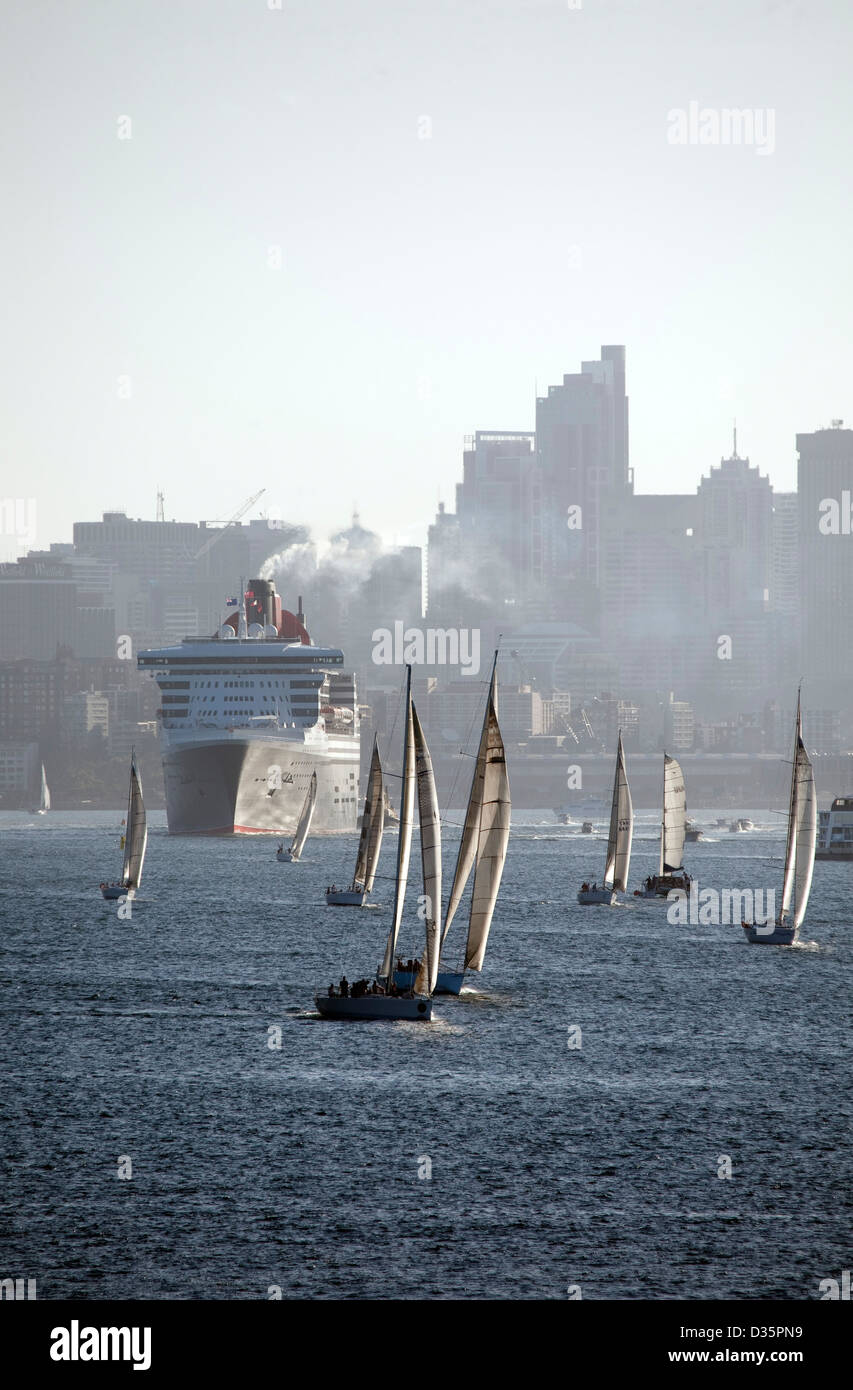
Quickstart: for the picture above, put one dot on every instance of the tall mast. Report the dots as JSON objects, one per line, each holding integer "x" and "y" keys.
{"x": 663, "y": 820}
{"x": 404, "y": 835}
{"x": 790, "y": 848}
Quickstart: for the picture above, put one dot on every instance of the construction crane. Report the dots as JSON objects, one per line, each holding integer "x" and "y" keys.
{"x": 217, "y": 535}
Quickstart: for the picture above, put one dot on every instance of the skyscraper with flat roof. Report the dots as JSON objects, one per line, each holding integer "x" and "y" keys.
{"x": 825, "y": 505}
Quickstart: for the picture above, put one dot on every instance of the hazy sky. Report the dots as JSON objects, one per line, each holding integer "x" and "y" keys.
{"x": 469, "y": 197}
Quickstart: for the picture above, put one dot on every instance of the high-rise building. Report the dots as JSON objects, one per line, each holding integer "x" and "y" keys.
{"x": 825, "y": 500}
{"x": 38, "y": 605}
{"x": 734, "y": 521}
{"x": 19, "y": 766}
{"x": 734, "y": 535}
{"x": 156, "y": 550}
{"x": 84, "y": 713}
{"x": 493, "y": 503}
{"x": 583, "y": 471}
{"x": 651, "y": 605}
{"x": 785, "y": 557}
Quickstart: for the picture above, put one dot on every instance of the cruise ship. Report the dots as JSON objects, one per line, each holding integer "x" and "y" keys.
{"x": 835, "y": 830}
{"x": 247, "y": 715}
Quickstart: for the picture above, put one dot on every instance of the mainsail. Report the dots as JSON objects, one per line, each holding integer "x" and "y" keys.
{"x": 44, "y": 798}
{"x": 802, "y": 833}
{"x": 621, "y": 828}
{"x": 136, "y": 831}
{"x": 372, "y": 825}
{"x": 492, "y": 839}
{"x": 484, "y": 835}
{"x": 404, "y": 842}
{"x": 430, "y": 858}
{"x": 674, "y": 817}
{"x": 305, "y": 818}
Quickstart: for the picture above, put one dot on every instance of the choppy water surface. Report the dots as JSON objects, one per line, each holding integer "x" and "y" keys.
{"x": 299, "y": 1167}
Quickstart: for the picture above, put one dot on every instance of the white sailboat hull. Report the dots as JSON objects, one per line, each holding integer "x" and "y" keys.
{"x": 286, "y": 856}
{"x": 417, "y": 1009}
{"x": 345, "y": 897}
{"x": 592, "y": 896}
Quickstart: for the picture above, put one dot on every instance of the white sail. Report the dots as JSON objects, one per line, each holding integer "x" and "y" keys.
{"x": 467, "y": 852}
{"x": 674, "y": 817}
{"x": 136, "y": 831}
{"x": 802, "y": 832}
{"x": 806, "y": 834}
{"x": 372, "y": 825}
{"x": 789, "y": 871}
{"x": 44, "y": 798}
{"x": 404, "y": 841}
{"x": 621, "y": 828}
{"x": 492, "y": 838}
{"x": 430, "y": 859}
{"x": 305, "y": 816}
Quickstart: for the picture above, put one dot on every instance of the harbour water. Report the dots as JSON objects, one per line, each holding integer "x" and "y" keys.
{"x": 566, "y": 1127}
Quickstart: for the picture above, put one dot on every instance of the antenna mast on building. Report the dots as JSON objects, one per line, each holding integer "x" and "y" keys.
{"x": 161, "y": 506}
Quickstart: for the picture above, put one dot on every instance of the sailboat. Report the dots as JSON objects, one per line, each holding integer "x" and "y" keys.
{"x": 382, "y": 997}
{"x": 44, "y": 797}
{"x": 671, "y": 873}
{"x": 372, "y": 827}
{"x": 391, "y": 817}
{"x": 799, "y": 852}
{"x": 291, "y": 855}
{"x": 618, "y": 841}
{"x": 135, "y": 840}
{"x": 483, "y": 846}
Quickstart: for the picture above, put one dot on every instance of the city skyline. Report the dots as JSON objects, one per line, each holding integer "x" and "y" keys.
{"x": 300, "y": 246}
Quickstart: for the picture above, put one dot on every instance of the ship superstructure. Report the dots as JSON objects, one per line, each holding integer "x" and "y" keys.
{"x": 835, "y": 830}
{"x": 247, "y": 716}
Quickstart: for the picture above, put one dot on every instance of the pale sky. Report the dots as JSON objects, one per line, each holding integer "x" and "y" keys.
{"x": 469, "y": 197}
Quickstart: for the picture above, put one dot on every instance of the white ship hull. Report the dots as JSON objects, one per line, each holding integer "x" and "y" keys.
{"x": 257, "y": 785}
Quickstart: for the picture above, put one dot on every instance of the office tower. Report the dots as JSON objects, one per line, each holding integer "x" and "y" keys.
{"x": 734, "y": 536}
{"x": 583, "y": 472}
{"x": 651, "y": 600}
{"x": 825, "y": 495}
{"x": 38, "y": 608}
{"x": 162, "y": 551}
{"x": 493, "y": 503}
